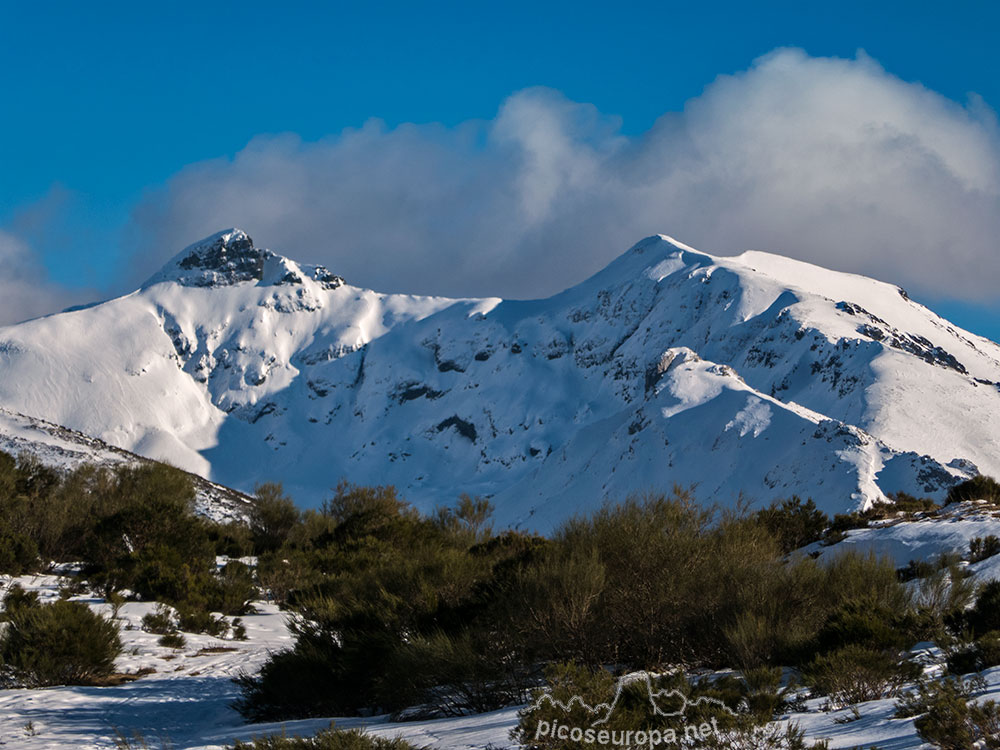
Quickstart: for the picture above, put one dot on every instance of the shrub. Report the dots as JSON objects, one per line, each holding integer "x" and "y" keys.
{"x": 394, "y": 609}
{"x": 173, "y": 640}
{"x": 388, "y": 583}
{"x": 236, "y": 589}
{"x": 18, "y": 552}
{"x": 948, "y": 719}
{"x": 457, "y": 674}
{"x": 233, "y": 539}
{"x": 676, "y": 575}
{"x": 328, "y": 739}
{"x": 980, "y": 487}
{"x": 145, "y": 535}
{"x": 981, "y": 654}
{"x": 18, "y": 599}
{"x": 856, "y": 674}
{"x": 239, "y": 630}
{"x": 557, "y": 596}
{"x": 916, "y": 570}
{"x": 842, "y": 523}
{"x": 311, "y": 679}
{"x": 794, "y": 523}
{"x": 942, "y": 598}
{"x": 903, "y": 502}
{"x": 982, "y": 548}
{"x": 690, "y": 715}
{"x": 286, "y": 573}
{"x": 136, "y": 740}
{"x": 160, "y": 621}
{"x": 769, "y": 737}
{"x": 200, "y": 621}
{"x": 984, "y": 616}
{"x": 63, "y": 643}
{"x": 273, "y": 515}
{"x": 863, "y": 624}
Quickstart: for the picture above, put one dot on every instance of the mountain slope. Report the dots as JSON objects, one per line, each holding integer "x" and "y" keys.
{"x": 753, "y": 373}
{"x": 66, "y": 450}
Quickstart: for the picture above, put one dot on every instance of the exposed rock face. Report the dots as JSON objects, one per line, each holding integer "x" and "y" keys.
{"x": 226, "y": 258}
{"x": 230, "y": 257}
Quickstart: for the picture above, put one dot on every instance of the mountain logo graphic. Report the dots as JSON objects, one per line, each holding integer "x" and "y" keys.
{"x": 602, "y": 712}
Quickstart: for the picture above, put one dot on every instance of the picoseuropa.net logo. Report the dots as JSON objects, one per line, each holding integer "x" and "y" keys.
{"x": 597, "y": 733}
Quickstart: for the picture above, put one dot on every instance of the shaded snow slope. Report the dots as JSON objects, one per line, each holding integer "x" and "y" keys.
{"x": 752, "y": 373}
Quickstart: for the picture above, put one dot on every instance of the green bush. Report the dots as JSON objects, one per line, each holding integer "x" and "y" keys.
{"x": 395, "y": 610}
{"x": 160, "y": 621}
{"x": 947, "y": 718}
{"x": 329, "y": 739}
{"x": 273, "y": 515}
{"x": 18, "y": 552}
{"x": 63, "y": 643}
{"x": 794, "y": 523}
{"x": 17, "y": 599}
{"x": 980, "y": 487}
{"x": 201, "y": 621}
{"x": 239, "y": 630}
{"x": 864, "y": 624}
{"x": 903, "y": 502}
{"x": 309, "y": 680}
{"x": 982, "y": 548}
{"x": 982, "y": 653}
{"x": 390, "y": 589}
{"x": 172, "y": 640}
{"x": 984, "y": 616}
{"x": 707, "y": 716}
{"x": 234, "y": 539}
{"x": 236, "y": 589}
{"x": 856, "y": 674}
{"x": 146, "y": 536}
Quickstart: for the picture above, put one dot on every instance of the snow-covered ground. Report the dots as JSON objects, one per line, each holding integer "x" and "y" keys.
{"x": 948, "y": 530}
{"x": 186, "y": 697}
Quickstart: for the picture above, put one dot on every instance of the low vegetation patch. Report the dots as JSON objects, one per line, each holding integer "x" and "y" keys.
{"x": 329, "y": 739}
{"x": 63, "y": 643}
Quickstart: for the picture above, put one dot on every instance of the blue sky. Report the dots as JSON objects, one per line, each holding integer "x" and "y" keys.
{"x": 105, "y": 107}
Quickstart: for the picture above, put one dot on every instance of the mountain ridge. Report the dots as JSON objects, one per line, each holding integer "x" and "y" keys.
{"x": 752, "y": 373}
{"x": 65, "y": 449}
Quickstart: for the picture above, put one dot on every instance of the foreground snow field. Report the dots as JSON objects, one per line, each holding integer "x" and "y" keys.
{"x": 185, "y": 697}
{"x": 186, "y": 700}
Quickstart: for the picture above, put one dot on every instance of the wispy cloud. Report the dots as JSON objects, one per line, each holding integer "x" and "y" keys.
{"x": 25, "y": 291}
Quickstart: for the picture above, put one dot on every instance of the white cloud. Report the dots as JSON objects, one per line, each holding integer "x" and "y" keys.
{"x": 24, "y": 290}
{"x": 829, "y": 160}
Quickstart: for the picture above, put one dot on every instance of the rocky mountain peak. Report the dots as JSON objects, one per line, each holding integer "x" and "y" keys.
{"x": 230, "y": 257}
{"x": 222, "y": 259}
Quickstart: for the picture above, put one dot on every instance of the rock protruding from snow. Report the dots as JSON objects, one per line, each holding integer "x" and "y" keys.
{"x": 230, "y": 257}
{"x": 226, "y": 257}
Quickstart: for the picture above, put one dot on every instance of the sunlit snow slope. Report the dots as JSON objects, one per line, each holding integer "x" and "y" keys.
{"x": 753, "y": 374}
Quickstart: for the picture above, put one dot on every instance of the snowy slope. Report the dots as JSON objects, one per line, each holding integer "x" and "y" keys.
{"x": 66, "y": 450}
{"x": 753, "y": 374}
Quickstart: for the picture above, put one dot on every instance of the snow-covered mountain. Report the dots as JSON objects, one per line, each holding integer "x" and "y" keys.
{"x": 753, "y": 374}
